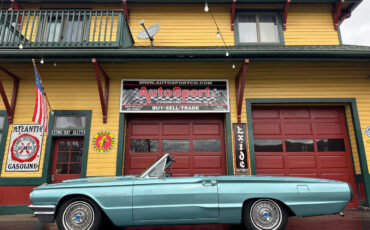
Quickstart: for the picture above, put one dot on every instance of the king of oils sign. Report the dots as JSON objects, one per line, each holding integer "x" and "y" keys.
{"x": 25, "y": 148}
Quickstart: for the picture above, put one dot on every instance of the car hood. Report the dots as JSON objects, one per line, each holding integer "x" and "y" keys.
{"x": 273, "y": 179}
{"x": 90, "y": 182}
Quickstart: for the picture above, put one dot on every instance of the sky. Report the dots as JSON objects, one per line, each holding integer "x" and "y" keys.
{"x": 356, "y": 29}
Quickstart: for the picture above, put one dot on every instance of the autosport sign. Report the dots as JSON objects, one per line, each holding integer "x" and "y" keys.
{"x": 156, "y": 96}
{"x": 25, "y": 148}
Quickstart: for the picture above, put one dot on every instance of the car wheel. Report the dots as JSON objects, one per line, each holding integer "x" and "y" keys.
{"x": 265, "y": 214}
{"x": 79, "y": 213}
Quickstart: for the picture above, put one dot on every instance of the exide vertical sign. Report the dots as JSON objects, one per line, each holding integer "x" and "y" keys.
{"x": 152, "y": 96}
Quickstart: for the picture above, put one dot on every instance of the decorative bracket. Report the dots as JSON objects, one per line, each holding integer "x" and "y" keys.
{"x": 103, "y": 95}
{"x": 239, "y": 86}
{"x": 285, "y": 13}
{"x": 232, "y": 14}
{"x": 15, "y": 5}
{"x": 10, "y": 108}
{"x": 337, "y": 13}
{"x": 126, "y": 10}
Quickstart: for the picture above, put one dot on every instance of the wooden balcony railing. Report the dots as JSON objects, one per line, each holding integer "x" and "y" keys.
{"x": 63, "y": 29}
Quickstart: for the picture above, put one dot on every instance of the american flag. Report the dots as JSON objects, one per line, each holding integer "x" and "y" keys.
{"x": 40, "y": 113}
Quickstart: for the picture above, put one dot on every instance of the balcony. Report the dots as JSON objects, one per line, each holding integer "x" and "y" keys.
{"x": 63, "y": 29}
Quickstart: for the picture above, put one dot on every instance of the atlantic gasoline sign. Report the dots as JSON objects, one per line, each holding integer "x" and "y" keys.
{"x": 156, "y": 96}
{"x": 103, "y": 141}
{"x": 25, "y": 148}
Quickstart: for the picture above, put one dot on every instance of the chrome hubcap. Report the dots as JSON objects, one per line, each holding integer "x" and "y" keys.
{"x": 265, "y": 214}
{"x": 78, "y": 215}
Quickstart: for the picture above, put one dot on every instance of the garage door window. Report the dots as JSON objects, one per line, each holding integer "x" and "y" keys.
{"x": 143, "y": 146}
{"x": 180, "y": 146}
{"x": 330, "y": 145}
{"x": 209, "y": 145}
{"x": 299, "y": 145}
{"x": 268, "y": 145}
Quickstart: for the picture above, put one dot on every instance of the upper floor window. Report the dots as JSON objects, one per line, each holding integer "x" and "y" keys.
{"x": 64, "y": 28}
{"x": 258, "y": 28}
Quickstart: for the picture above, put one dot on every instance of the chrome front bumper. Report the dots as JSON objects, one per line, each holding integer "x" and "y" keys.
{"x": 45, "y": 213}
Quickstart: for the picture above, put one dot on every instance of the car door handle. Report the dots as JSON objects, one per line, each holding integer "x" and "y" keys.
{"x": 209, "y": 183}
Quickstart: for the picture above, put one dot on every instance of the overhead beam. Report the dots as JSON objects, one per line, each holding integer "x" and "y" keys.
{"x": 10, "y": 107}
{"x": 232, "y": 14}
{"x": 15, "y": 5}
{"x": 337, "y": 11}
{"x": 102, "y": 94}
{"x": 285, "y": 13}
{"x": 126, "y": 10}
{"x": 239, "y": 86}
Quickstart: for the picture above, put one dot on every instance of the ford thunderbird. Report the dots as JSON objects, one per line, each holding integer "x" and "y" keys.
{"x": 155, "y": 198}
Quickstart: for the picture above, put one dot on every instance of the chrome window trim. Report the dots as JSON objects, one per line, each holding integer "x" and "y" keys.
{"x": 154, "y": 166}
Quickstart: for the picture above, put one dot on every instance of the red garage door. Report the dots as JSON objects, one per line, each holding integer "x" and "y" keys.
{"x": 195, "y": 140}
{"x": 303, "y": 141}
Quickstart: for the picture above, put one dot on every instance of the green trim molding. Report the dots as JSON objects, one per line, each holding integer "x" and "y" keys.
{"x": 14, "y": 209}
{"x": 4, "y": 136}
{"x": 121, "y": 144}
{"x": 160, "y": 54}
{"x": 229, "y": 145}
{"x": 356, "y": 124}
{"x": 277, "y": 13}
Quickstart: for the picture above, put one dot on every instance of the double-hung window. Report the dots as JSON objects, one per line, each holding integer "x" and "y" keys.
{"x": 258, "y": 28}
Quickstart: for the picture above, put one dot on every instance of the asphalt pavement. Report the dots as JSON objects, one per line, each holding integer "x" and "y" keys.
{"x": 353, "y": 220}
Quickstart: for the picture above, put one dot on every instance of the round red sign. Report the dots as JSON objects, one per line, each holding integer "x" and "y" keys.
{"x": 25, "y": 148}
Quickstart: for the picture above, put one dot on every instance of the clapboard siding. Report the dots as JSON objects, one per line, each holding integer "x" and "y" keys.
{"x": 73, "y": 87}
{"x": 352, "y": 139}
{"x": 310, "y": 25}
{"x": 182, "y": 25}
{"x": 312, "y": 80}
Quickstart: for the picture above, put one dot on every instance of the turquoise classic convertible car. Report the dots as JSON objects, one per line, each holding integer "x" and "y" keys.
{"x": 155, "y": 198}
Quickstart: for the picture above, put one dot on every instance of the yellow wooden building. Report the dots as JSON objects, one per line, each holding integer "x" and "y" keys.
{"x": 228, "y": 87}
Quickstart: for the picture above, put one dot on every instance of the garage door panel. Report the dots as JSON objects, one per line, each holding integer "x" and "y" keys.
{"x": 176, "y": 129}
{"x": 330, "y": 162}
{"x": 310, "y": 175}
{"x": 206, "y": 129}
{"x": 326, "y": 113}
{"x": 141, "y": 162}
{"x": 145, "y": 129}
{"x": 299, "y": 162}
{"x": 266, "y": 113}
{"x": 209, "y": 162}
{"x": 295, "y": 113}
{"x": 346, "y": 177}
{"x": 297, "y": 128}
{"x": 182, "y": 162}
{"x": 329, "y": 128}
{"x": 267, "y": 128}
{"x": 270, "y": 162}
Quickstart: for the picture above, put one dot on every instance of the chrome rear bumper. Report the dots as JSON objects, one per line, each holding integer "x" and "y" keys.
{"x": 45, "y": 213}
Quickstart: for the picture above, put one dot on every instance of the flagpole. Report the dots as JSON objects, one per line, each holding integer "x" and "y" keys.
{"x": 47, "y": 100}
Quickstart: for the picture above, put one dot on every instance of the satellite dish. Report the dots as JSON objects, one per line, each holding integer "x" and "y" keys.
{"x": 148, "y": 33}
{"x": 151, "y": 30}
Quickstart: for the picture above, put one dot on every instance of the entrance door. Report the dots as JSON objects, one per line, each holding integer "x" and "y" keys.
{"x": 67, "y": 159}
{"x": 304, "y": 141}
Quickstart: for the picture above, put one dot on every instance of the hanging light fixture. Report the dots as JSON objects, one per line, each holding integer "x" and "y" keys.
{"x": 42, "y": 61}
{"x": 206, "y": 8}
{"x": 218, "y": 34}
